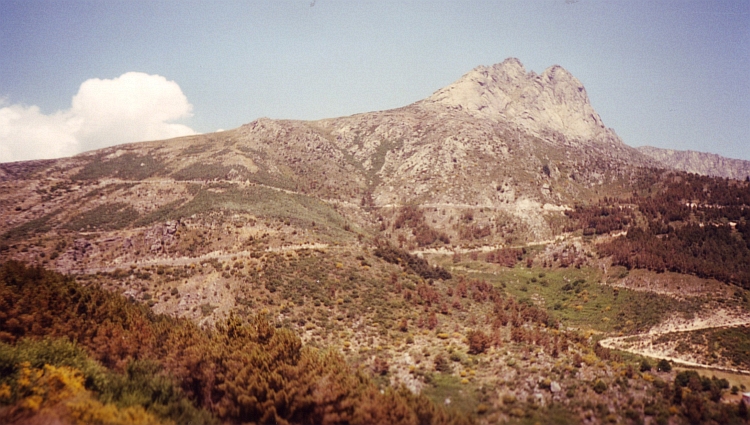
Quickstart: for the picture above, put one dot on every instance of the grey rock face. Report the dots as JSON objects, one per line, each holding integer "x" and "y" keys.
{"x": 707, "y": 164}
{"x": 554, "y": 101}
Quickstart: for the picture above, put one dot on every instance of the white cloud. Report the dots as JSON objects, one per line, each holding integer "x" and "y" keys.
{"x": 132, "y": 107}
{"x": 26, "y": 133}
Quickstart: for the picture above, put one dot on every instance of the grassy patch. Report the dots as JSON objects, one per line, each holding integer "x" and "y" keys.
{"x": 25, "y": 169}
{"x": 162, "y": 214}
{"x": 462, "y": 397}
{"x": 575, "y": 297}
{"x": 37, "y": 225}
{"x": 208, "y": 171}
{"x": 262, "y": 202}
{"x": 555, "y": 414}
{"x": 207, "y": 309}
{"x": 378, "y": 159}
{"x": 113, "y": 216}
{"x": 128, "y": 166}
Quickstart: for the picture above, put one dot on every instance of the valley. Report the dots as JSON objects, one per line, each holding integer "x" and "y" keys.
{"x": 452, "y": 261}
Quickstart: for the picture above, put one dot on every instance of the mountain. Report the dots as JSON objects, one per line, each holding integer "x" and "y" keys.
{"x": 523, "y": 147}
{"x": 707, "y": 164}
{"x": 494, "y": 248}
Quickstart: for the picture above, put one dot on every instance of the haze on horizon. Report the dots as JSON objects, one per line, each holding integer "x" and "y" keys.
{"x": 81, "y": 75}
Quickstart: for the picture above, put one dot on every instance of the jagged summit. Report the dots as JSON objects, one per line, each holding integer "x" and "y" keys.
{"x": 553, "y": 102}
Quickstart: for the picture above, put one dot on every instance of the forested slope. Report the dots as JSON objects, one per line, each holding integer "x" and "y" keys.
{"x": 151, "y": 368}
{"x": 684, "y": 223}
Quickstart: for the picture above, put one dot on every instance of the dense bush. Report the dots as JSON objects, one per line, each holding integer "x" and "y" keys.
{"x": 664, "y": 366}
{"x": 424, "y": 235}
{"x": 507, "y": 257}
{"x": 600, "y": 219}
{"x": 705, "y": 251}
{"x": 478, "y": 342}
{"x": 411, "y": 262}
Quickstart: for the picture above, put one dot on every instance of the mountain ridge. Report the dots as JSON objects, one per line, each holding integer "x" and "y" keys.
{"x": 514, "y": 174}
{"x": 708, "y": 164}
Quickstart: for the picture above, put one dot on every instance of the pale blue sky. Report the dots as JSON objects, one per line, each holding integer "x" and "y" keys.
{"x": 671, "y": 74}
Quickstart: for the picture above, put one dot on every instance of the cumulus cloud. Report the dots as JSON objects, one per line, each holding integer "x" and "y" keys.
{"x": 26, "y": 133}
{"x": 132, "y": 107}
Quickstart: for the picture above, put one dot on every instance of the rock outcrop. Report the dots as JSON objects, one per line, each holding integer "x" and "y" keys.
{"x": 553, "y": 102}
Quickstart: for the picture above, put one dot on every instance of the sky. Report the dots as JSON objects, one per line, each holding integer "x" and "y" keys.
{"x": 82, "y": 75}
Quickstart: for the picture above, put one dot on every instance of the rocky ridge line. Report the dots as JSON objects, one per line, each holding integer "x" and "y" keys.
{"x": 707, "y": 164}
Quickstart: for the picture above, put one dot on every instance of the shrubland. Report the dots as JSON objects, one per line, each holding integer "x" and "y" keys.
{"x": 154, "y": 368}
{"x": 493, "y": 355}
{"x": 235, "y": 302}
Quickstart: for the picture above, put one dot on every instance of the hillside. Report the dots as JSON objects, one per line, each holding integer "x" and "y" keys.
{"x": 513, "y": 177}
{"x": 461, "y": 257}
{"x": 707, "y": 164}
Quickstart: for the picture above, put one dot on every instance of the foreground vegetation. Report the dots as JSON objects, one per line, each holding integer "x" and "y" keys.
{"x": 143, "y": 368}
{"x": 83, "y": 354}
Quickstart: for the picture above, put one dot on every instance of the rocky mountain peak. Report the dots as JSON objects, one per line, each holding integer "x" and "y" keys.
{"x": 510, "y": 69}
{"x": 553, "y": 103}
{"x": 566, "y": 88}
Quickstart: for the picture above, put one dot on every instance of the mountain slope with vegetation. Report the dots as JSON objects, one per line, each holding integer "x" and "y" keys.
{"x": 707, "y": 164}
{"x": 457, "y": 260}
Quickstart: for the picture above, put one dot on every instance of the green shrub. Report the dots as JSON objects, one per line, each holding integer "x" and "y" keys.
{"x": 37, "y": 225}
{"x": 419, "y": 266}
{"x": 441, "y": 363}
{"x": 664, "y": 366}
{"x": 645, "y": 365}
{"x": 599, "y": 386}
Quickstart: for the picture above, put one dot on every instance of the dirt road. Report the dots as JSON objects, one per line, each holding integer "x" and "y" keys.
{"x": 643, "y": 344}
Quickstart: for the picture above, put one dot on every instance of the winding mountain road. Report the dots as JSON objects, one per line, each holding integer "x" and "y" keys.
{"x": 642, "y": 344}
